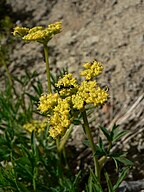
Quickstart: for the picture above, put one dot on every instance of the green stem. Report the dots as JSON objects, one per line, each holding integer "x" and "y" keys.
{"x": 15, "y": 180}
{"x": 92, "y": 145}
{"x": 64, "y": 139}
{"x": 47, "y": 67}
{"x": 59, "y": 155}
{"x": 23, "y": 103}
{"x": 104, "y": 158}
{"x": 34, "y": 178}
{"x": 8, "y": 73}
{"x": 102, "y": 161}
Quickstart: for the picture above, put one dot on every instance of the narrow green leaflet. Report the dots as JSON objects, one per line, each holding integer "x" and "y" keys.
{"x": 124, "y": 160}
{"x": 106, "y": 133}
{"x": 93, "y": 183}
{"x": 124, "y": 173}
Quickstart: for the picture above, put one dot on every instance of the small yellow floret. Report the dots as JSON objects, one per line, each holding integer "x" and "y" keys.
{"x": 67, "y": 80}
{"x": 35, "y": 125}
{"x": 47, "y": 102}
{"x": 55, "y": 27}
{"x": 35, "y": 29}
{"x": 20, "y": 31}
{"x": 67, "y": 85}
{"x": 78, "y": 101}
{"x": 59, "y": 121}
{"x": 91, "y": 70}
{"x": 35, "y": 36}
{"x": 89, "y": 92}
{"x": 38, "y": 33}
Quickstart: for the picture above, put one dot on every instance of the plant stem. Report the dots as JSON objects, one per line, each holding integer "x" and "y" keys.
{"x": 15, "y": 180}
{"x": 47, "y": 68}
{"x": 8, "y": 73}
{"x": 104, "y": 158}
{"x": 34, "y": 178}
{"x": 59, "y": 155}
{"x": 92, "y": 145}
{"x": 64, "y": 139}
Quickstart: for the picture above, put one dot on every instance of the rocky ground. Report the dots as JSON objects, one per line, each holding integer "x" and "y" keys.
{"x": 111, "y": 31}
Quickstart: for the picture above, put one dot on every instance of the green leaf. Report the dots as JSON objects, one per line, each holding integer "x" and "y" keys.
{"x": 93, "y": 183}
{"x": 109, "y": 184}
{"x": 117, "y": 135}
{"x": 33, "y": 144}
{"x": 89, "y": 187}
{"x": 38, "y": 89}
{"x": 100, "y": 150}
{"x": 18, "y": 80}
{"x": 106, "y": 133}
{"x": 27, "y": 152}
{"x": 23, "y": 167}
{"x": 34, "y": 98}
{"x": 101, "y": 145}
{"x": 124, "y": 173}
{"x": 22, "y": 187}
{"x": 87, "y": 143}
{"x": 124, "y": 160}
{"x": 76, "y": 122}
{"x": 116, "y": 164}
{"x": 115, "y": 127}
{"x": 53, "y": 79}
{"x": 77, "y": 177}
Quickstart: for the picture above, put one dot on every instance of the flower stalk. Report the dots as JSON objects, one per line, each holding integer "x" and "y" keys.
{"x": 47, "y": 68}
{"x": 8, "y": 73}
{"x": 92, "y": 145}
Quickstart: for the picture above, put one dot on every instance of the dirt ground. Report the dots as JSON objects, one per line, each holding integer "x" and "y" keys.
{"x": 111, "y": 31}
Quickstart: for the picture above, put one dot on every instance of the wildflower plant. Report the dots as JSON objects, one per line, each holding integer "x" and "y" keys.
{"x": 36, "y": 148}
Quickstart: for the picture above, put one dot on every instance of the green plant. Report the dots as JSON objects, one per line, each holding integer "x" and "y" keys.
{"x": 35, "y": 127}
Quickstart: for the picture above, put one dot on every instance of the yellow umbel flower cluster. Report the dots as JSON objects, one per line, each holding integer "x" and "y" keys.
{"x": 59, "y": 122}
{"x": 35, "y": 125}
{"x": 47, "y": 102}
{"x": 20, "y": 31}
{"x": 91, "y": 70}
{"x": 89, "y": 93}
{"x": 67, "y": 85}
{"x": 59, "y": 109}
{"x": 72, "y": 97}
{"x": 38, "y": 33}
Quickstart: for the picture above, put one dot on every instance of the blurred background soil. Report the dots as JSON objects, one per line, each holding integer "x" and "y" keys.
{"x": 111, "y": 31}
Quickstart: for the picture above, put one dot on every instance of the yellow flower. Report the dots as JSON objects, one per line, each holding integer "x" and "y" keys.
{"x": 35, "y": 125}
{"x": 91, "y": 70}
{"x": 38, "y": 33}
{"x": 47, "y": 102}
{"x": 35, "y": 29}
{"x": 89, "y": 92}
{"x": 72, "y": 96}
{"x": 59, "y": 121}
{"x": 67, "y": 85}
{"x": 78, "y": 101}
{"x": 20, "y": 31}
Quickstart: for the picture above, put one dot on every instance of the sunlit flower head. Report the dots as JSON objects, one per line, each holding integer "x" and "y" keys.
{"x": 89, "y": 93}
{"x": 67, "y": 85}
{"x": 59, "y": 121}
{"x": 38, "y": 33}
{"x": 91, "y": 70}
{"x": 20, "y": 31}
{"x": 35, "y": 125}
{"x": 71, "y": 97}
{"x": 47, "y": 102}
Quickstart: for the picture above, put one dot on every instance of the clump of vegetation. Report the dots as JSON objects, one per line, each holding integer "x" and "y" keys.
{"x": 6, "y": 25}
{"x": 35, "y": 127}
